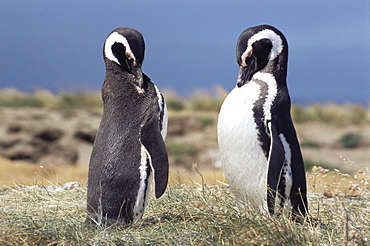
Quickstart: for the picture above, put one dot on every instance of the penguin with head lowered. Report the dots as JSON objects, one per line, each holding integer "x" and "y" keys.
{"x": 129, "y": 148}
{"x": 260, "y": 152}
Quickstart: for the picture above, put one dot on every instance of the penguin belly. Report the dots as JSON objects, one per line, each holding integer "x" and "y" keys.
{"x": 244, "y": 162}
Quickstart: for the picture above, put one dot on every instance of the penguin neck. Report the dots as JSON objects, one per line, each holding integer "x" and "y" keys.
{"x": 122, "y": 79}
{"x": 113, "y": 67}
{"x": 278, "y": 68}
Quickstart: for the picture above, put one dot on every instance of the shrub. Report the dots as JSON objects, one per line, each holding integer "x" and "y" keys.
{"x": 205, "y": 120}
{"x": 330, "y": 113}
{"x": 78, "y": 100}
{"x": 310, "y": 144}
{"x": 350, "y": 140}
{"x": 179, "y": 150}
{"x": 14, "y": 98}
{"x": 175, "y": 104}
{"x": 208, "y": 100}
{"x": 299, "y": 114}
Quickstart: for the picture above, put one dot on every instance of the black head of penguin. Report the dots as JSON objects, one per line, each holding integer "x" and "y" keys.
{"x": 124, "y": 51}
{"x": 261, "y": 48}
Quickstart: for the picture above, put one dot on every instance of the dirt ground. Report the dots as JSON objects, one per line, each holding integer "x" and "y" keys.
{"x": 39, "y": 145}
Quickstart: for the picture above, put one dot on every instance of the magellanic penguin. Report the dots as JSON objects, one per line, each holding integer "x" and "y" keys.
{"x": 260, "y": 152}
{"x": 129, "y": 147}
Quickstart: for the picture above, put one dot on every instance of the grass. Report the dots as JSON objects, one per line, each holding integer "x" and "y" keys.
{"x": 199, "y": 101}
{"x": 329, "y": 113}
{"x": 45, "y": 99}
{"x": 189, "y": 213}
{"x": 339, "y": 115}
{"x": 308, "y": 165}
{"x": 185, "y": 215}
{"x": 177, "y": 151}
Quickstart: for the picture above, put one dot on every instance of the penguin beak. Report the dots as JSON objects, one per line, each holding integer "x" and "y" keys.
{"x": 139, "y": 75}
{"x": 240, "y": 82}
{"x": 135, "y": 69}
{"x": 246, "y": 72}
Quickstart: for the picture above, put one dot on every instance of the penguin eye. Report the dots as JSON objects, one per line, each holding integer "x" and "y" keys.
{"x": 129, "y": 56}
{"x": 246, "y": 57}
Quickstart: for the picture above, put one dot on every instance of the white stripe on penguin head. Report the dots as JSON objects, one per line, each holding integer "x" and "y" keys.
{"x": 277, "y": 43}
{"x": 113, "y": 38}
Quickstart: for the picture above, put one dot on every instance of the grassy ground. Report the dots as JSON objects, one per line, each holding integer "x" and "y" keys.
{"x": 200, "y": 101}
{"x": 197, "y": 207}
{"x": 187, "y": 215}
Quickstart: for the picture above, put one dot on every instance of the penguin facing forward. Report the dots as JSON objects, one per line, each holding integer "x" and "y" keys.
{"x": 129, "y": 149}
{"x": 260, "y": 152}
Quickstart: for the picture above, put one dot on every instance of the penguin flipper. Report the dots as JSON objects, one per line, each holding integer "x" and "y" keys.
{"x": 153, "y": 141}
{"x": 275, "y": 162}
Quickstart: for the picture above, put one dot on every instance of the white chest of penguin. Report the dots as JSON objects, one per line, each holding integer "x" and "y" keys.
{"x": 244, "y": 162}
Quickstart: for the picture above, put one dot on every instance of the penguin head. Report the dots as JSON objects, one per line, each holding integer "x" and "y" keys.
{"x": 256, "y": 47}
{"x": 125, "y": 48}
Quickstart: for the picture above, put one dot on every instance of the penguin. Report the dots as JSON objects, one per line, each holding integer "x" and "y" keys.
{"x": 129, "y": 149}
{"x": 259, "y": 149}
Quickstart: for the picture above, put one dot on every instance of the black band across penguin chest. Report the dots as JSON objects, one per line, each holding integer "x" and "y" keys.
{"x": 260, "y": 120}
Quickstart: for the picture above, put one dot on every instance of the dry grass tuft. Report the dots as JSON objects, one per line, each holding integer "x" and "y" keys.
{"x": 46, "y": 99}
{"x": 336, "y": 184}
{"x": 210, "y": 100}
{"x": 329, "y": 113}
{"x": 205, "y": 101}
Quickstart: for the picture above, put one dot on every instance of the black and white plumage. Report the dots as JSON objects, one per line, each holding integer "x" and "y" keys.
{"x": 259, "y": 148}
{"x": 129, "y": 148}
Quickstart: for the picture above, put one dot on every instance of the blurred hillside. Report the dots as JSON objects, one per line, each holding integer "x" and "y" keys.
{"x": 57, "y": 132}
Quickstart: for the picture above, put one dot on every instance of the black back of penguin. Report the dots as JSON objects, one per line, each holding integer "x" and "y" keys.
{"x": 129, "y": 143}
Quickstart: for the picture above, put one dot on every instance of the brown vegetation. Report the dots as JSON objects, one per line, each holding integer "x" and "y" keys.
{"x": 46, "y": 141}
{"x": 55, "y": 130}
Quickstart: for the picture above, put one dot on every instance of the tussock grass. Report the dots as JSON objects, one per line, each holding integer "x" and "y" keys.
{"x": 205, "y": 101}
{"x": 200, "y": 100}
{"x": 330, "y": 113}
{"x": 185, "y": 215}
{"x": 46, "y": 99}
{"x": 177, "y": 151}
